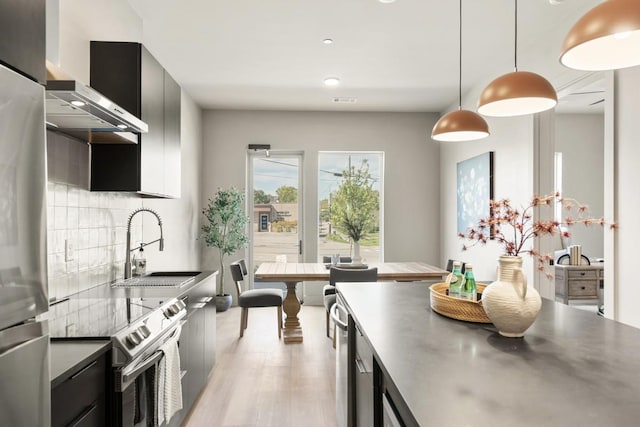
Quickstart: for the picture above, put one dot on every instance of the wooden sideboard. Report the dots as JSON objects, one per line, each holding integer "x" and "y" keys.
{"x": 579, "y": 282}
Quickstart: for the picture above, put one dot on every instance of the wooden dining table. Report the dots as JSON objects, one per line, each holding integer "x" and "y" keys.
{"x": 293, "y": 273}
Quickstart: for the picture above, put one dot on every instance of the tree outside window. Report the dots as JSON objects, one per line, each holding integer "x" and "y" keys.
{"x": 355, "y": 205}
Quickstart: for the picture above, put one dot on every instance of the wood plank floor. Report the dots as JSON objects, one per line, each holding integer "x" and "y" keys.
{"x": 260, "y": 381}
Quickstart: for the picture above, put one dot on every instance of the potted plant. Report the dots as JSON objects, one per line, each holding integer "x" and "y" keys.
{"x": 225, "y": 229}
{"x": 354, "y": 206}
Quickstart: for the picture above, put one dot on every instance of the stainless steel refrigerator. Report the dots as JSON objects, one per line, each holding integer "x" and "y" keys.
{"x": 24, "y": 340}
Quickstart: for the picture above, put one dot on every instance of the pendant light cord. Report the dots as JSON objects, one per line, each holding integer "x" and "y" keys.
{"x": 515, "y": 48}
{"x": 460, "y": 58}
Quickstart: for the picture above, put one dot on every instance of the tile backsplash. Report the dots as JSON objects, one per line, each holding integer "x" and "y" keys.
{"x": 86, "y": 231}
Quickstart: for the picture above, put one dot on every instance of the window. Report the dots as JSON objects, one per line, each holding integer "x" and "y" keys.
{"x": 350, "y": 204}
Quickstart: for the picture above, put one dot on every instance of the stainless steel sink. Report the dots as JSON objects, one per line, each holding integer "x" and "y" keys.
{"x": 173, "y": 274}
{"x": 165, "y": 279}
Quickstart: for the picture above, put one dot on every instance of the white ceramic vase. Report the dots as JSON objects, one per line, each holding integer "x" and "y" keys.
{"x": 508, "y": 302}
{"x": 356, "y": 258}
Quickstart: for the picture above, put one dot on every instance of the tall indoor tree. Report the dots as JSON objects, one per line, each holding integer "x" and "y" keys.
{"x": 225, "y": 229}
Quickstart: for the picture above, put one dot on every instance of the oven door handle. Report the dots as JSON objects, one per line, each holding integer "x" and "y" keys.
{"x": 151, "y": 360}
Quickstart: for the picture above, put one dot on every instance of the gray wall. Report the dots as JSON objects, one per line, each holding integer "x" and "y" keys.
{"x": 622, "y": 202}
{"x": 412, "y": 168}
{"x": 511, "y": 140}
{"x": 580, "y": 139}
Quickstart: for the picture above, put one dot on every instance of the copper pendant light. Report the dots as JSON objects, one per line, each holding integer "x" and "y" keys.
{"x": 517, "y": 93}
{"x": 605, "y": 38}
{"x": 460, "y": 125}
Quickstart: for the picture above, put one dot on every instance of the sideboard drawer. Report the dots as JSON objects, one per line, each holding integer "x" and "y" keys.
{"x": 583, "y": 275}
{"x": 583, "y": 288}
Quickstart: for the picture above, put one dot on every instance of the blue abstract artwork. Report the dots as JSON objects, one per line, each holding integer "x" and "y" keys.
{"x": 474, "y": 190}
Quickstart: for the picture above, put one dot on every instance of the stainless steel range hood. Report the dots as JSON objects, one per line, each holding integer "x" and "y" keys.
{"x": 78, "y": 110}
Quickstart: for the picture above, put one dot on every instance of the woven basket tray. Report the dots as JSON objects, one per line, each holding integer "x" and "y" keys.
{"x": 468, "y": 311}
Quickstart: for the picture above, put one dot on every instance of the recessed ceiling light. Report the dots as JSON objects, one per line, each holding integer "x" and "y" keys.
{"x": 331, "y": 81}
{"x": 78, "y": 103}
{"x": 387, "y": 1}
{"x": 327, "y": 41}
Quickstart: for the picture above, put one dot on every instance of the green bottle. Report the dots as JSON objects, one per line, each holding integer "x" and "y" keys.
{"x": 469, "y": 289}
{"x": 455, "y": 280}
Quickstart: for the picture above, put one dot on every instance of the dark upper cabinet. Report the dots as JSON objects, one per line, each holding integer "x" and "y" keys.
{"x": 172, "y": 157}
{"x": 23, "y": 38}
{"x": 129, "y": 75}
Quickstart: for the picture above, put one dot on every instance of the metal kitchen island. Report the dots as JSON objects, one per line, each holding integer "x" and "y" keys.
{"x": 571, "y": 368}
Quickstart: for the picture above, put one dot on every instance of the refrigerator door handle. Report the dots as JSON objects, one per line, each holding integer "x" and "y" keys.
{"x": 18, "y": 335}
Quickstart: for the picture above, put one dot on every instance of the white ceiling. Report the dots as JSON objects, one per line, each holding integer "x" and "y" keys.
{"x": 403, "y": 56}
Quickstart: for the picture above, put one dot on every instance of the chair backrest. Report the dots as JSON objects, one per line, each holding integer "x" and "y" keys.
{"x": 236, "y": 274}
{"x": 243, "y": 266}
{"x": 326, "y": 259}
{"x": 450, "y": 266}
{"x": 352, "y": 275}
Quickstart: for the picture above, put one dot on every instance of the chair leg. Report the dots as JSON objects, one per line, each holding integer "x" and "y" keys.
{"x": 279, "y": 321}
{"x": 243, "y": 321}
{"x": 327, "y": 318}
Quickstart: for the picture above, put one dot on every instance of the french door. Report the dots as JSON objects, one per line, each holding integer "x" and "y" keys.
{"x": 275, "y": 209}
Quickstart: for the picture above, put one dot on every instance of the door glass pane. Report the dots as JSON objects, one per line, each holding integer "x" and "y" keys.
{"x": 276, "y": 219}
{"x": 350, "y": 203}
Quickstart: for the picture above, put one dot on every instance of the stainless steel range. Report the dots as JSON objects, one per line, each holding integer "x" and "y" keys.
{"x": 137, "y": 328}
{"x": 136, "y": 347}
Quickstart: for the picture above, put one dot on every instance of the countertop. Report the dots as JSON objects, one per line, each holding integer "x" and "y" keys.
{"x": 571, "y": 368}
{"x": 67, "y": 357}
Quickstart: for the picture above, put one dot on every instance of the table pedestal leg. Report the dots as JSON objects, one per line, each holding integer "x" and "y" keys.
{"x": 292, "y": 330}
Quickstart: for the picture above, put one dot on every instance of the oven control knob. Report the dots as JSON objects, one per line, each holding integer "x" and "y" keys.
{"x": 139, "y": 335}
{"x": 132, "y": 340}
{"x": 180, "y": 304}
{"x": 173, "y": 309}
{"x": 144, "y": 330}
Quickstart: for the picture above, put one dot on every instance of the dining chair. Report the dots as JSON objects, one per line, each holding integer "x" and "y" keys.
{"x": 326, "y": 259}
{"x": 243, "y": 266}
{"x": 450, "y": 266}
{"x": 344, "y": 275}
{"x": 254, "y": 298}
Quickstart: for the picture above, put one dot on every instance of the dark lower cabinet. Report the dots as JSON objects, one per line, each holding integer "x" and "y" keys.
{"x": 81, "y": 400}
{"x": 375, "y": 401}
{"x": 197, "y": 347}
{"x": 363, "y": 381}
{"x": 194, "y": 363}
{"x": 209, "y": 335}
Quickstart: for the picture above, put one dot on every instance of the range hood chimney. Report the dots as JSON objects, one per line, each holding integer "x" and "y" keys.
{"x": 82, "y": 112}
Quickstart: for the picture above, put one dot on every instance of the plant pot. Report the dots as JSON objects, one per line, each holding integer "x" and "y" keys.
{"x": 223, "y": 302}
{"x": 508, "y": 302}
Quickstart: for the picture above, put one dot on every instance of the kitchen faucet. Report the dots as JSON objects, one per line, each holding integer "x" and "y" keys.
{"x": 127, "y": 262}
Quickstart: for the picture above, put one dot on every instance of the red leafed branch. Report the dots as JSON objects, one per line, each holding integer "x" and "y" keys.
{"x": 513, "y": 228}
